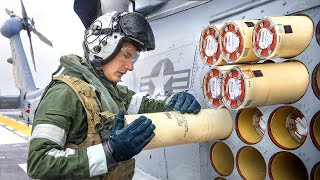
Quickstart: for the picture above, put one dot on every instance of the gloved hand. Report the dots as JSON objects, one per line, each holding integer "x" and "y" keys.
{"x": 126, "y": 142}
{"x": 184, "y": 102}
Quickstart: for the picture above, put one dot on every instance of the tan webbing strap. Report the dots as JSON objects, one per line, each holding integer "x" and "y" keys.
{"x": 87, "y": 96}
{"x": 124, "y": 171}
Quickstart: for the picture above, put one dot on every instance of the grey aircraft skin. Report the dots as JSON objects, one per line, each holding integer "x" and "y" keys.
{"x": 176, "y": 65}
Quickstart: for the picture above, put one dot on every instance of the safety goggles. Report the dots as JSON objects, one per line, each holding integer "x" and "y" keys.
{"x": 129, "y": 53}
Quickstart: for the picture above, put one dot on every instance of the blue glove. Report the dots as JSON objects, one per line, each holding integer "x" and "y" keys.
{"x": 126, "y": 142}
{"x": 184, "y": 102}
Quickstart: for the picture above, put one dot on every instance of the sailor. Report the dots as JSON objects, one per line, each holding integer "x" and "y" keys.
{"x": 79, "y": 127}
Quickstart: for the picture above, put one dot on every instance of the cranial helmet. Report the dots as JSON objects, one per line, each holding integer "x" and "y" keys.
{"x": 104, "y": 38}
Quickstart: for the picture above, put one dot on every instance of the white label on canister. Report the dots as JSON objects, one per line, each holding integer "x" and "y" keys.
{"x": 215, "y": 87}
{"x": 211, "y": 46}
{"x": 234, "y": 87}
{"x": 302, "y": 126}
{"x": 232, "y": 42}
{"x": 265, "y": 38}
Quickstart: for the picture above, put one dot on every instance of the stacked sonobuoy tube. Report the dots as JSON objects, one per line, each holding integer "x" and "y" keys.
{"x": 236, "y": 41}
{"x": 284, "y": 36}
{"x": 212, "y": 86}
{"x": 174, "y": 128}
{"x": 244, "y": 85}
{"x": 264, "y": 84}
{"x": 209, "y": 45}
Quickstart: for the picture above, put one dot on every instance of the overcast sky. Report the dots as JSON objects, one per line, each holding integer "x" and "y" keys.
{"x": 54, "y": 19}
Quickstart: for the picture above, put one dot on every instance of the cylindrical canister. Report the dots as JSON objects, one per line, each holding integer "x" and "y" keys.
{"x": 209, "y": 45}
{"x": 174, "y": 128}
{"x": 316, "y": 81}
{"x": 221, "y": 158}
{"x": 315, "y": 130}
{"x": 286, "y": 165}
{"x": 212, "y": 86}
{"x": 236, "y": 41}
{"x": 315, "y": 172}
{"x": 264, "y": 84}
{"x": 251, "y": 163}
{"x": 250, "y": 125}
{"x": 283, "y": 36}
{"x": 287, "y": 127}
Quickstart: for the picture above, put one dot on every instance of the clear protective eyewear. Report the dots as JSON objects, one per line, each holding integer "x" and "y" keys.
{"x": 129, "y": 53}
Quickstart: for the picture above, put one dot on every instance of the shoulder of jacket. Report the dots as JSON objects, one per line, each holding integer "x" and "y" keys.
{"x": 60, "y": 88}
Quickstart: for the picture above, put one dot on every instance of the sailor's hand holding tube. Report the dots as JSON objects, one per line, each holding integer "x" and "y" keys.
{"x": 126, "y": 142}
{"x": 183, "y": 102}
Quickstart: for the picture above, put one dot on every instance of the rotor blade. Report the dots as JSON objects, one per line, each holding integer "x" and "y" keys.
{"x": 41, "y": 37}
{"x": 9, "y": 12}
{"x": 31, "y": 50}
{"x": 12, "y": 14}
{"x": 23, "y": 11}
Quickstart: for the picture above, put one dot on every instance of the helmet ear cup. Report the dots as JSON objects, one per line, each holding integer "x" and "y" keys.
{"x": 96, "y": 48}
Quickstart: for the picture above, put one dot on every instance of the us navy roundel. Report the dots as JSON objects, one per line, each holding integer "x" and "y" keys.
{"x": 163, "y": 78}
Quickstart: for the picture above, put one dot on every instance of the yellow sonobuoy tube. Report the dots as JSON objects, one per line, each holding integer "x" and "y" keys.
{"x": 174, "y": 128}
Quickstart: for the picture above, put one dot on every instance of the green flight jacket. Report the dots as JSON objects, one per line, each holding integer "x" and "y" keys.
{"x": 61, "y": 119}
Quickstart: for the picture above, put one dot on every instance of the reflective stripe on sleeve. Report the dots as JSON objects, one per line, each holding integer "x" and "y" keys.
{"x": 50, "y": 132}
{"x": 60, "y": 153}
{"x": 135, "y": 103}
{"x": 97, "y": 160}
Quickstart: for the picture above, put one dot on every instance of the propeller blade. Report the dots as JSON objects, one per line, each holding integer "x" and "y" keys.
{"x": 41, "y": 37}
{"x": 23, "y": 11}
{"x": 31, "y": 50}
